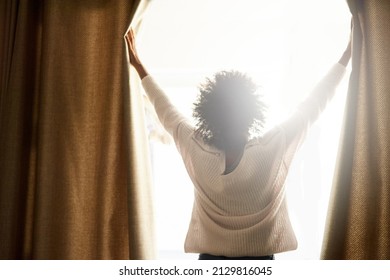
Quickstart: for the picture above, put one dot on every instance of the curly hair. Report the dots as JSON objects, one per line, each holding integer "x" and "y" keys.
{"x": 228, "y": 105}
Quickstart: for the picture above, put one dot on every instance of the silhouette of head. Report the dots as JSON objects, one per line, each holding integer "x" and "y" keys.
{"x": 228, "y": 109}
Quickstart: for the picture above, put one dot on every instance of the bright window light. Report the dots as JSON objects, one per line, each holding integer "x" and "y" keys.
{"x": 286, "y": 46}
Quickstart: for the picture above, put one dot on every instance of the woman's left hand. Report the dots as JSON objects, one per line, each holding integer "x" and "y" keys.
{"x": 133, "y": 55}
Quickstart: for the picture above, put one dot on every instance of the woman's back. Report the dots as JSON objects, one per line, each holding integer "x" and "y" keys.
{"x": 242, "y": 212}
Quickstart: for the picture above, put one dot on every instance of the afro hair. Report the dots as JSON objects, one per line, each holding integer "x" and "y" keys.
{"x": 228, "y": 104}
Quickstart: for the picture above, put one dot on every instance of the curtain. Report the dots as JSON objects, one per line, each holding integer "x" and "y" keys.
{"x": 358, "y": 224}
{"x": 74, "y": 179}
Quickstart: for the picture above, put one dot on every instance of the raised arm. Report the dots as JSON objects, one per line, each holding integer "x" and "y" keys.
{"x": 307, "y": 112}
{"x": 134, "y": 58}
{"x": 171, "y": 119}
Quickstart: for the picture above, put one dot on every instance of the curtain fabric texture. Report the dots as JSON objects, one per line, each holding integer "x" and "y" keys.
{"x": 74, "y": 181}
{"x": 358, "y": 225}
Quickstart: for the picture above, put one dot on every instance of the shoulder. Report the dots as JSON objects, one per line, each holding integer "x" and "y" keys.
{"x": 268, "y": 137}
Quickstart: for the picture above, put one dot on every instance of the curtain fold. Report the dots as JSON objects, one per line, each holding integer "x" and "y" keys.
{"x": 142, "y": 240}
{"x": 71, "y": 184}
{"x": 358, "y": 225}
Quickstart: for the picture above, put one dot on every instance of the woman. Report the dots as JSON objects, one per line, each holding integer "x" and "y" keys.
{"x": 239, "y": 209}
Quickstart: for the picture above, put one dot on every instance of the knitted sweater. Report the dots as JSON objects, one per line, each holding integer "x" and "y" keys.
{"x": 244, "y": 212}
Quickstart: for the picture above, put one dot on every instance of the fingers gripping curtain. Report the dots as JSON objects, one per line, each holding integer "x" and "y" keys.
{"x": 358, "y": 225}
{"x": 71, "y": 184}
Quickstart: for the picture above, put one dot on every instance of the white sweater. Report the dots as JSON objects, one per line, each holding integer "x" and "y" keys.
{"x": 243, "y": 213}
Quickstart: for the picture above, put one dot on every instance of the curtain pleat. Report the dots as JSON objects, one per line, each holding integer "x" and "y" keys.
{"x": 142, "y": 240}
{"x": 71, "y": 184}
{"x": 358, "y": 225}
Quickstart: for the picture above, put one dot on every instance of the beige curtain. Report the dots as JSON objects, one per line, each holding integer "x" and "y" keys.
{"x": 74, "y": 170}
{"x": 358, "y": 225}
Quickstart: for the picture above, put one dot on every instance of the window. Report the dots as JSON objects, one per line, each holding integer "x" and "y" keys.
{"x": 286, "y": 46}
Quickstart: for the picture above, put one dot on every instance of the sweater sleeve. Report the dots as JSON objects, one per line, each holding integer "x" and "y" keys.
{"x": 309, "y": 110}
{"x": 175, "y": 123}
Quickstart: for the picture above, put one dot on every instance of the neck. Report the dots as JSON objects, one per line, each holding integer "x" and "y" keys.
{"x": 235, "y": 144}
{"x": 233, "y": 153}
